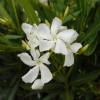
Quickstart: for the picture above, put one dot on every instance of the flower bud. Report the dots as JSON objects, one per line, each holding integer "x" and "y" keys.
{"x": 66, "y": 11}
{"x": 82, "y": 50}
{"x": 25, "y": 45}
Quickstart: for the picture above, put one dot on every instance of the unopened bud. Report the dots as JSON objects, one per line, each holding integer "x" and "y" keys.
{"x": 66, "y": 11}
{"x": 82, "y": 50}
{"x": 25, "y": 45}
{"x": 47, "y": 22}
{"x": 3, "y": 21}
{"x": 37, "y": 15}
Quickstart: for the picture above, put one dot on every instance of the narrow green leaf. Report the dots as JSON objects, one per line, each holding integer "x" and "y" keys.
{"x": 12, "y": 92}
{"x": 10, "y": 36}
{"x": 5, "y": 15}
{"x": 29, "y": 11}
{"x": 12, "y": 4}
{"x": 86, "y": 78}
{"x": 91, "y": 47}
{"x": 91, "y": 38}
{"x": 11, "y": 89}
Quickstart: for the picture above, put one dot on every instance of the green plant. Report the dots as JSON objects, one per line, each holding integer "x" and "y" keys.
{"x": 78, "y": 82}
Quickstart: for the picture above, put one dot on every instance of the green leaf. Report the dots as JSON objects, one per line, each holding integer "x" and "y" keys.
{"x": 71, "y": 17}
{"x": 5, "y": 15}
{"x": 6, "y": 39}
{"x": 12, "y": 91}
{"x": 12, "y": 94}
{"x": 85, "y": 6}
{"x": 29, "y": 11}
{"x": 91, "y": 38}
{"x": 86, "y": 78}
{"x": 12, "y": 4}
{"x": 91, "y": 47}
{"x": 10, "y": 48}
{"x": 50, "y": 97}
{"x": 11, "y": 36}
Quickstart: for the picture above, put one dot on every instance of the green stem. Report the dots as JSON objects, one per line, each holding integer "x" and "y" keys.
{"x": 68, "y": 95}
{"x": 69, "y": 73}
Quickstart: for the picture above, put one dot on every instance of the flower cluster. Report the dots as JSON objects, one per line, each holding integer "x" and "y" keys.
{"x": 43, "y": 39}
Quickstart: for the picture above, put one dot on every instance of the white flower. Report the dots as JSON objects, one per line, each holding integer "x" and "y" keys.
{"x": 39, "y": 65}
{"x": 69, "y": 36}
{"x": 69, "y": 58}
{"x": 34, "y": 34}
{"x": 31, "y": 34}
{"x": 60, "y": 40}
{"x": 53, "y": 40}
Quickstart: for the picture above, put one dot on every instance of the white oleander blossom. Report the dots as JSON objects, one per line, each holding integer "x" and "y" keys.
{"x": 38, "y": 64}
{"x": 72, "y": 48}
{"x": 31, "y": 34}
{"x": 34, "y": 34}
{"x": 52, "y": 41}
{"x": 40, "y": 38}
{"x": 69, "y": 36}
{"x": 60, "y": 40}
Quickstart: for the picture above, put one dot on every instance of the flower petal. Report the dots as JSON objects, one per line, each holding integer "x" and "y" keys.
{"x": 46, "y": 75}
{"x": 75, "y": 47}
{"x": 56, "y": 23}
{"x": 45, "y": 45}
{"x": 69, "y": 60}
{"x": 26, "y": 59}
{"x": 27, "y": 28}
{"x": 62, "y": 28}
{"x": 35, "y": 53}
{"x": 44, "y": 31}
{"x": 33, "y": 42}
{"x": 31, "y": 75}
{"x": 44, "y": 58}
{"x": 60, "y": 47}
{"x": 68, "y": 36}
{"x": 37, "y": 85}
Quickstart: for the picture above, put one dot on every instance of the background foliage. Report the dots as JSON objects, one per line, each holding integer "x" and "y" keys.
{"x": 79, "y": 82}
